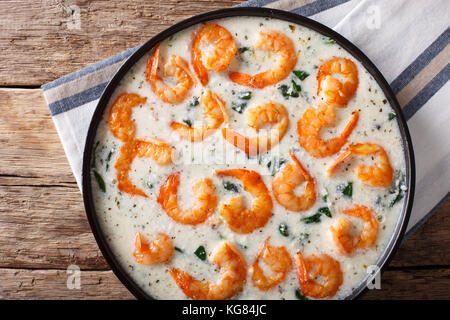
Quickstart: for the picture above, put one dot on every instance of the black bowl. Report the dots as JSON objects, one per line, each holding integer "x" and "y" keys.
{"x": 402, "y": 221}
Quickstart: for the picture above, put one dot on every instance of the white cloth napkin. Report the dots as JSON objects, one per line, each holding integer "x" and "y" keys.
{"x": 407, "y": 40}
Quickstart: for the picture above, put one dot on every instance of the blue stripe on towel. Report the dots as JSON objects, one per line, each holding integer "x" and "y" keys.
{"x": 317, "y": 6}
{"x": 427, "y": 92}
{"x": 77, "y": 99}
{"x": 255, "y": 3}
{"x": 421, "y": 62}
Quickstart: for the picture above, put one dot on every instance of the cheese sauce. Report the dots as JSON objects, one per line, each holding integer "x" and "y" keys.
{"x": 122, "y": 215}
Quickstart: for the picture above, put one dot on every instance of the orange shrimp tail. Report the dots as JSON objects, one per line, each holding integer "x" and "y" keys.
{"x": 151, "y": 71}
{"x": 190, "y": 286}
{"x": 119, "y": 118}
{"x": 240, "y": 141}
{"x": 247, "y": 80}
{"x": 123, "y": 166}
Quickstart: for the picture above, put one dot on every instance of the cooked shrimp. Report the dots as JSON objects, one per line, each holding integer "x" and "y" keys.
{"x": 313, "y": 121}
{"x": 233, "y": 273}
{"x": 338, "y": 92}
{"x": 380, "y": 174}
{"x": 280, "y": 44}
{"x": 176, "y": 67}
{"x": 159, "y": 250}
{"x": 236, "y": 216}
{"x": 152, "y": 148}
{"x": 204, "y": 205}
{"x": 341, "y": 231}
{"x": 119, "y": 119}
{"x": 278, "y": 260}
{"x": 214, "y": 114}
{"x": 287, "y": 180}
{"x": 271, "y": 113}
{"x": 319, "y": 276}
{"x": 218, "y": 57}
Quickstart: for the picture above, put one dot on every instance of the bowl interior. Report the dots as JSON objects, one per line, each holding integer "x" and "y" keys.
{"x": 401, "y": 222}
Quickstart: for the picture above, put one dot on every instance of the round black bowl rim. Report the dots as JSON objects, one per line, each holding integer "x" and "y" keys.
{"x": 401, "y": 223}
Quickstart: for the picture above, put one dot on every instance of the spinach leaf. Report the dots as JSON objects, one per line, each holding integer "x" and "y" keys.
{"x": 188, "y": 122}
{"x": 302, "y": 75}
{"x": 194, "y": 102}
{"x": 178, "y": 249}
{"x": 315, "y": 218}
{"x": 325, "y": 211}
{"x": 201, "y": 253}
{"x": 283, "y": 228}
{"x": 245, "y": 95}
{"x": 347, "y": 190}
{"x": 239, "y": 107}
{"x": 243, "y": 49}
{"x": 275, "y": 165}
{"x": 299, "y": 295}
{"x": 329, "y": 40}
{"x": 100, "y": 181}
{"x": 230, "y": 186}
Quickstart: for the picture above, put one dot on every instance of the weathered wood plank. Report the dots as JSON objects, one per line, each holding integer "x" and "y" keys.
{"x": 430, "y": 244}
{"x": 52, "y": 284}
{"x": 413, "y": 284}
{"x": 45, "y": 227}
{"x": 29, "y": 144}
{"x": 41, "y": 40}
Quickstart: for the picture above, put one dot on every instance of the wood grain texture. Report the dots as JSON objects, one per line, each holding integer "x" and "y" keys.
{"x": 42, "y": 42}
{"x": 30, "y": 146}
{"x": 52, "y": 284}
{"x": 412, "y": 284}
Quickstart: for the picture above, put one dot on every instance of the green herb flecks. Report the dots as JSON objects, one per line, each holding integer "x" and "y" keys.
{"x": 290, "y": 91}
{"x": 239, "y": 107}
{"x": 230, "y": 186}
{"x": 201, "y": 253}
{"x": 108, "y": 159}
{"x": 275, "y": 165}
{"x": 243, "y": 49}
{"x": 292, "y": 27}
{"x": 283, "y": 228}
{"x": 194, "y": 102}
{"x": 325, "y": 211}
{"x": 315, "y": 218}
{"x": 299, "y": 295}
{"x": 295, "y": 89}
{"x": 327, "y": 40}
{"x": 391, "y": 116}
{"x": 148, "y": 184}
{"x": 325, "y": 196}
{"x": 188, "y": 122}
{"x": 100, "y": 181}
{"x": 397, "y": 188}
{"x": 304, "y": 236}
{"x": 347, "y": 190}
{"x": 302, "y": 75}
{"x": 245, "y": 95}
{"x": 178, "y": 249}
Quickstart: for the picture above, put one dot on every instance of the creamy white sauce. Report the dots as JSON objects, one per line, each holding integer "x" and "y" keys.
{"x": 122, "y": 215}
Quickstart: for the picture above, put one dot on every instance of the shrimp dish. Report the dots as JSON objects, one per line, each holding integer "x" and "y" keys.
{"x": 248, "y": 158}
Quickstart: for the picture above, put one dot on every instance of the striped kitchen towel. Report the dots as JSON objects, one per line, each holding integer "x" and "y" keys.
{"x": 407, "y": 40}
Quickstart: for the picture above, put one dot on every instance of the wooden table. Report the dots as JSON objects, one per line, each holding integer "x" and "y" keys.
{"x": 43, "y": 228}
